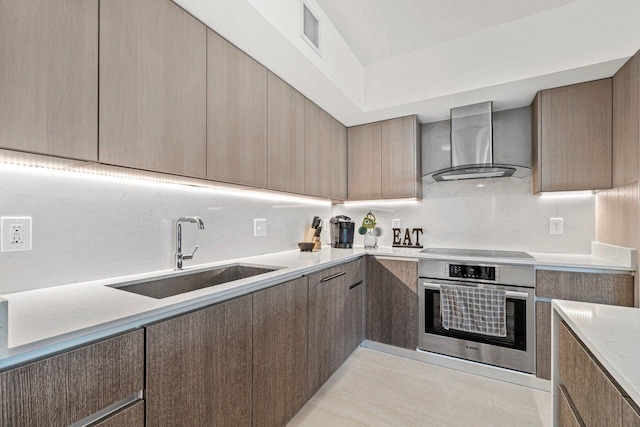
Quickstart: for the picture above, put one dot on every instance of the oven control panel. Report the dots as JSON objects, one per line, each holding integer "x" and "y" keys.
{"x": 477, "y": 272}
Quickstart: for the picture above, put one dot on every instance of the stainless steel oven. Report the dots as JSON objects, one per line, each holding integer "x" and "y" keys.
{"x": 516, "y": 350}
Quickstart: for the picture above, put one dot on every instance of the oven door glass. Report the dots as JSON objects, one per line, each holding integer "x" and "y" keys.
{"x": 515, "y": 315}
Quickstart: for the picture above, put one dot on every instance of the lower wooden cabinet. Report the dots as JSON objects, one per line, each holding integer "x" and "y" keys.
{"x": 614, "y": 289}
{"x": 392, "y": 302}
{"x": 64, "y": 389}
{"x": 335, "y": 319}
{"x": 587, "y": 396}
{"x": 279, "y": 352}
{"x": 199, "y": 367}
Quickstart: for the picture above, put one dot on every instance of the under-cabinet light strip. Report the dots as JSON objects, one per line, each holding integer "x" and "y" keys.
{"x": 157, "y": 180}
{"x": 585, "y": 193}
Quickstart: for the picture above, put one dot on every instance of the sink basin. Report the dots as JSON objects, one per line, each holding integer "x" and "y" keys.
{"x": 171, "y": 286}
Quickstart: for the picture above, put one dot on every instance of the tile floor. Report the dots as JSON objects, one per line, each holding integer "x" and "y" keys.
{"x": 377, "y": 389}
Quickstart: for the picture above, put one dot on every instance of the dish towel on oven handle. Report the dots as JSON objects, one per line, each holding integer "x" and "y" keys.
{"x": 476, "y": 310}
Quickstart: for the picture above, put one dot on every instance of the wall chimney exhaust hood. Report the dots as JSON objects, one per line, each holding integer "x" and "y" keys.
{"x": 471, "y": 147}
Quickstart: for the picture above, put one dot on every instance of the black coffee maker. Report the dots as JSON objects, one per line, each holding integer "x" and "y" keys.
{"x": 342, "y": 228}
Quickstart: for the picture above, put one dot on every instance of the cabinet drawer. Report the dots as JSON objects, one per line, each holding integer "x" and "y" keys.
{"x": 616, "y": 289}
{"x": 567, "y": 417}
{"x": 69, "y": 387}
{"x": 131, "y": 416}
{"x": 594, "y": 396}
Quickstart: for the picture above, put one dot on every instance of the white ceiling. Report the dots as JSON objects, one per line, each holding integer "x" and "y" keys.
{"x": 389, "y": 58}
{"x": 381, "y": 29}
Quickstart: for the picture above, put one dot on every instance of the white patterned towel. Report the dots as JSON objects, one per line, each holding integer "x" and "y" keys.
{"x": 476, "y": 310}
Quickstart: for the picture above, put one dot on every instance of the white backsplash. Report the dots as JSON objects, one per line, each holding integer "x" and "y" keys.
{"x": 87, "y": 227}
{"x": 501, "y": 214}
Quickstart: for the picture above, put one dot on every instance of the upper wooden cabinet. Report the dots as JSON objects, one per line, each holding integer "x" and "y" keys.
{"x": 236, "y": 115}
{"x": 49, "y": 77}
{"x": 285, "y": 137}
{"x": 326, "y": 154}
{"x": 152, "y": 87}
{"x": 571, "y": 138}
{"x": 384, "y": 160}
{"x": 626, "y": 122}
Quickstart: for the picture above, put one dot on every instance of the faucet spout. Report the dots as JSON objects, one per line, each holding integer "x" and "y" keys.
{"x": 179, "y": 255}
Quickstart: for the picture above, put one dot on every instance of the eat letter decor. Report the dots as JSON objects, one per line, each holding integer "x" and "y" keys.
{"x": 406, "y": 242}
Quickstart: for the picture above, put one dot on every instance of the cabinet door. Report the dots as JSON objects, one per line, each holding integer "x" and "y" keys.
{"x": 49, "y": 77}
{"x": 285, "y": 137}
{"x": 400, "y": 158}
{"x": 566, "y": 414}
{"x": 236, "y": 115}
{"x": 35, "y": 394}
{"x": 626, "y": 123}
{"x": 325, "y": 154}
{"x": 614, "y": 289}
{"x": 199, "y": 367}
{"x": 334, "y": 326}
{"x": 575, "y": 137}
{"x": 595, "y": 397}
{"x": 279, "y": 352}
{"x": 62, "y": 390}
{"x": 364, "y": 157}
{"x": 153, "y": 79}
{"x": 392, "y": 302}
{"x": 543, "y": 340}
{"x": 339, "y": 163}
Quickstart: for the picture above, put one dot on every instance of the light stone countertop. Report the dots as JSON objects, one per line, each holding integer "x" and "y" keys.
{"x": 49, "y": 320}
{"x": 612, "y": 335}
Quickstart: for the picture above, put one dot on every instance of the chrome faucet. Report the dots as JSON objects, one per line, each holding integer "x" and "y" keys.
{"x": 179, "y": 255}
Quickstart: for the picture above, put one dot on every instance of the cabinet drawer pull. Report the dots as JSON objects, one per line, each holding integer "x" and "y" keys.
{"x": 333, "y": 276}
{"x": 355, "y": 285}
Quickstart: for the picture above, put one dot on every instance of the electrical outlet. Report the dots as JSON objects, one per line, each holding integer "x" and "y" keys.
{"x": 15, "y": 234}
{"x": 396, "y": 223}
{"x": 556, "y": 226}
{"x": 260, "y": 227}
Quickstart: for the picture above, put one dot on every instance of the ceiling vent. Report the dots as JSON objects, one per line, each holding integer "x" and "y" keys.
{"x": 310, "y": 30}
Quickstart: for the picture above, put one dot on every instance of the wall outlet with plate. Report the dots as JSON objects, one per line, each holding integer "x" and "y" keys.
{"x": 556, "y": 226}
{"x": 15, "y": 234}
{"x": 260, "y": 227}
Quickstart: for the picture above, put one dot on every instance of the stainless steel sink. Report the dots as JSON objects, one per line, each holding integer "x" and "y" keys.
{"x": 171, "y": 286}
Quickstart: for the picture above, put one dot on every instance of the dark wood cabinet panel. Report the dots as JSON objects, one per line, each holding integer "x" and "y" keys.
{"x": 279, "y": 352}
{"x": 400, "y": 171}
{"x": 615, "y": 289}
{"x": 566, "y": 414}
{"x": 543, "y": 340}
{"x": 131, "y": 416}
{"x": 392, "y": 302}
{"x": 285, "y": 137}
{"x": 335, "y": 319}
{"x": 49, "y": 77}
{"x": 326, "y": 153}
{"x": 364, "y": 145}
{"x": 573, "y": 137}
{"x": 630, "y": 413}
{"x": 153, "y": 80}
{"x": 198, "y": 367}
{"x": 596, "y": 399}
{"x": 104, "y": 373}
{"x": 236, "y": 115}
{"x": 64, "y": 389}
{"x": 35, "y": 394}
{"x": 626, "y": 123}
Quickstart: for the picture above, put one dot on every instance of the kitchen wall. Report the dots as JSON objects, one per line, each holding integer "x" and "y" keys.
{"x": 89, "y": 227}
{"x": 488, "y": 214}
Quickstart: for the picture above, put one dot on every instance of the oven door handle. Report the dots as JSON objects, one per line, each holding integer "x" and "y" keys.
{"x": 509, "y": 294}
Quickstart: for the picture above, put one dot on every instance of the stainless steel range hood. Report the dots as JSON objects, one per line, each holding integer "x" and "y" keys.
{"x": 471, "y": 147}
